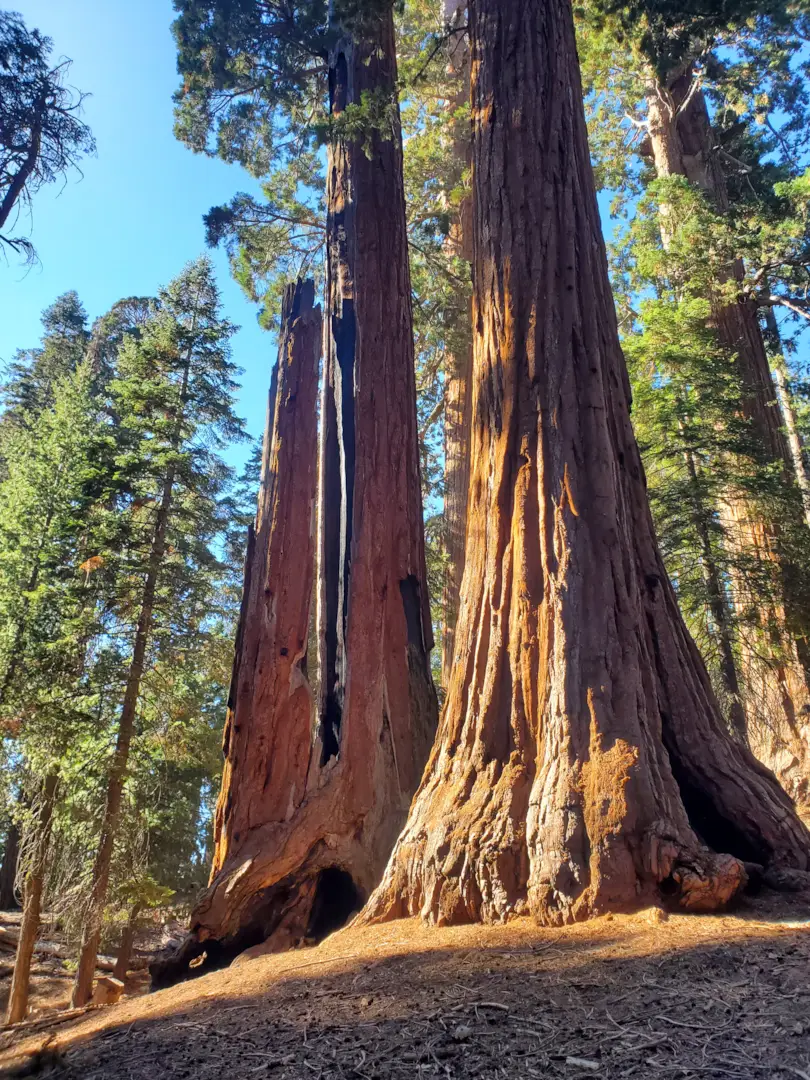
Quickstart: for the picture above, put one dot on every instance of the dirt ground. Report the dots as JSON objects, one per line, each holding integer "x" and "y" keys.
{"x": 629, "y": 996}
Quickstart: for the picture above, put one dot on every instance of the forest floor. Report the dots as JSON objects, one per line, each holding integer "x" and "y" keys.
{"x": 626, "y": 996}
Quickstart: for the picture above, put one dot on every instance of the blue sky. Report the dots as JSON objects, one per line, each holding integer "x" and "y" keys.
{"x": 135, "y": 218}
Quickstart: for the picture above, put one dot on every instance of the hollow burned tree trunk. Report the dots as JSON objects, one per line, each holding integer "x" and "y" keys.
{"x": 309, "y": 811}
{"x": 580, "y": 750}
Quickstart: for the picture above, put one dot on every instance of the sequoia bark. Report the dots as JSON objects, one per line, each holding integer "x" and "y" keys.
{"x": 581, "y": 750}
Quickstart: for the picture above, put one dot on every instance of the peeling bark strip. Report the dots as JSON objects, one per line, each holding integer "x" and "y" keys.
{"x": 581, "y": 751}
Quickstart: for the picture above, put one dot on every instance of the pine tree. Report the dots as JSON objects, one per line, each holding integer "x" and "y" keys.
{"x": 55, "y": 460}
{"x": 173, "y": 395}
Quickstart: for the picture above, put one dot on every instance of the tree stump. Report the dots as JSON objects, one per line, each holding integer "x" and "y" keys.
{"x": 108, "y": 990}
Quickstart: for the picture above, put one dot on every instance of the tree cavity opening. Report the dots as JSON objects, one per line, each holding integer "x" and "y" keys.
{"x": 337, "y": 898}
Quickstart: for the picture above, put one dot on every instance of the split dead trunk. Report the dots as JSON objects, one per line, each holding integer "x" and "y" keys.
{"x": 302, "y": 840}
{"x": 775, "y": 667}
{"x": 32, "y": 905}
{"x": 582, "y": 764}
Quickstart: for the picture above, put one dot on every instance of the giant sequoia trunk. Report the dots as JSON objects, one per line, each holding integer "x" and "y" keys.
{"x": 581, "y": 758}
{"x": 268, "y": 730}
{"x": 304, "y": 832}
{"x": 776, "y": 666}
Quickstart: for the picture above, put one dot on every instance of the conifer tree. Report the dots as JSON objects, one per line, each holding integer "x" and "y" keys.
{"x": 42, "y": 137}
{"x": 173, "y": 395}
{"x": 55, "y": 461}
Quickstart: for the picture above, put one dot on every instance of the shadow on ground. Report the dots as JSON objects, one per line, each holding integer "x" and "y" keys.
{"x": 626, "y": 997}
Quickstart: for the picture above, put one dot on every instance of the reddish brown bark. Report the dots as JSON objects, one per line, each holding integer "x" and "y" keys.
{"x": 268, "y": 731}
{"x": 374, "y": 607}
{"x": 457, "y": 417}
{"x": 269, "y": 725}
{"x": 580, "y": 747}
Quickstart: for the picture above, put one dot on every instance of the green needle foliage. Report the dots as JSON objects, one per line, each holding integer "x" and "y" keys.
{"x": 96, "y": 423}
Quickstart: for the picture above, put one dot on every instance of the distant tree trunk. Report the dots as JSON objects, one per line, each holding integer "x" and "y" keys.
{"x": 32, "y": 904}
{"x": 580, "y": 748}
{"x": 457, "y": 396}
{"x": 718, "y": 608}
{"x": 91, "y": 934}
{"x": 125, "y": 948}
{"x": 8, "y": 871}
{"x": 682, "y": 144}
{"x": 457, "y": 370}
{"x": 794, "y": 440}
{"x": 302, "y": 841}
